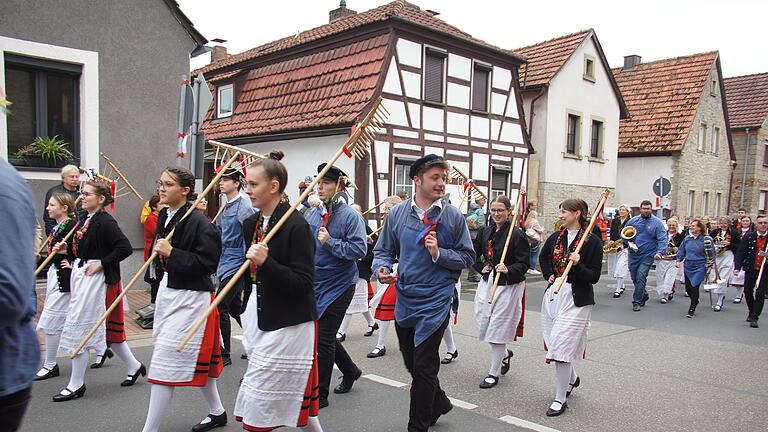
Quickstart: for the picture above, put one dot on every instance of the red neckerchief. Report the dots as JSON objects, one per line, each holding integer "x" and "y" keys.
{"x": 560, "y": 256}
{"x": 761, "y": 240}
{"x": 432, "y": 226}
{"x": 54, "y": 234}
{"x": 326, "y": 218}
{"x": 258, "y": 235}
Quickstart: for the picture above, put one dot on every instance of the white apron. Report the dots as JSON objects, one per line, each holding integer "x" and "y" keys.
{"x": 176, "y": 311}
{"x": 563, "y": 324}
{"x": 737, "y": 281}
{"x": 86, "y": 306}
{"x": 612, "y": 258}
{"x": 622, "y": 264}
{"x": 725, "y": 269}
{"x": 497, "y": 322}
{"x": 359, "y": 301}
{"x": 381, "y": 289}
{"x": 666, "y": 273}
{"x": 56, "y": 305}
{"x": 279, "y": 363}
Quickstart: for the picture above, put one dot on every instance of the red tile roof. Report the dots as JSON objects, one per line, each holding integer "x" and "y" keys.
{"x": 747, "y": 98}
{"x": 662, "y": 97}
{"x": 398, "y": 9}
{"x": 546, "y": 58}
{"x": 321, "y": 89}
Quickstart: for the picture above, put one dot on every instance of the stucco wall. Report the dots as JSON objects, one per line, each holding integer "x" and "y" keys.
{"x": 757, "y": 172}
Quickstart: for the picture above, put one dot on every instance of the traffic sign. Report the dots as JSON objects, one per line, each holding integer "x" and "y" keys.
{"x": 662, "y": 186}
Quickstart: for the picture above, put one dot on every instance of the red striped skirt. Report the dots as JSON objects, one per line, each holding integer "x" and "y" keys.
{"x": 116, "y": 319}
{"x": 385, "y": 311}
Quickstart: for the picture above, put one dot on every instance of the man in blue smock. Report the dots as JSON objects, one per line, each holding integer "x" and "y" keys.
{"x": 340, "y": 241}
{"x": 230, "y": 225}
{"x": 649, "y": 244}
{"x": 431, "y": 240}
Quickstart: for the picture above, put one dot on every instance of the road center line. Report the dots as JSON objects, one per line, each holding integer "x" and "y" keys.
{"x": 461, "y": 404}
{"x": 387, "y": 381}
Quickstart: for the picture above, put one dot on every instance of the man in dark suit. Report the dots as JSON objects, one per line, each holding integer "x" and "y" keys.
{"x": 750, "y": 258}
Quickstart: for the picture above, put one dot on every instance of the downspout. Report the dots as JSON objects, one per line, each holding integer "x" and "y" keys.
{"x": 744, "y": 175}
{"x": 530, "y": 122}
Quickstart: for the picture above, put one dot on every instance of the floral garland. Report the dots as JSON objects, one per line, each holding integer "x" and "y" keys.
{"x": 258, "y": 235}
{"x": 560, "y": 256}
{"x": 81, "y": 232}
{"x": 55, "y": 232}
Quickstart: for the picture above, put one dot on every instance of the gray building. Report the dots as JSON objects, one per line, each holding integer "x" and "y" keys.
{"x": 104, "y": 76}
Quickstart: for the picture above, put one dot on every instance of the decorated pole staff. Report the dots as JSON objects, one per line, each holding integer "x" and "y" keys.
{"x": 221, "y": 210}
{"x": 357, "y": 144}
{"x": 373, "y": 208}
{"x": 583, "y": 239}
{"x": 512, "y": 228}
{"x": 121, "y": 176}
{"x": 151, "y": 258}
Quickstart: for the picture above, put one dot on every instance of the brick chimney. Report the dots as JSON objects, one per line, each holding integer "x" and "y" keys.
{"x": 341, "y": 12}
{"x": 219, "y": 53}
{"x": 630, "y": 62}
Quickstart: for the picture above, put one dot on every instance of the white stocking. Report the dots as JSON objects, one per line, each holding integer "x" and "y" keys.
{"x": 720, "y": 299}
{"x": 562, "y": 378}
{"x": 573, "y": 374}
{"x": 51, "y": 348}
{"x": 124, "y": 352}
{"x": 313, "y": 425}
{"x": 497, "y": 355}
{"x": 159, "y": 399}
{"x": 619, "y": 284}
{"x": 211, "y": 395}
{"x": 369, "y": 318}
{"x": 79, "y": 365}
{"x": 383, "y": 329}
{"x": 345, "y": 323}
{"x": 448, "y": 339}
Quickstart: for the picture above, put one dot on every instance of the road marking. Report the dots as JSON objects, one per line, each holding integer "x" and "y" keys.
{"x": 461, "y": 404}
{"x": 526, "y": 424}
{"x": 387, "y": 381}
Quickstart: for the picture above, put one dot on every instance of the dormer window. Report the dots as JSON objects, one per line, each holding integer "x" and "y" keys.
{"x": 225, "y": 101}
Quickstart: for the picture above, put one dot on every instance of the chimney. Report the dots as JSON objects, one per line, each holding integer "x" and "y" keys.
{"x": 219, "y": 53}
{"x": 630, "y": 62}
{"x": 340, "y": 13}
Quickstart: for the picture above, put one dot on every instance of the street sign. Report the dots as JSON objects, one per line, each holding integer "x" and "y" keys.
{"x": 662, "y": 187}
{"x": 662, "y": 202}
{"x": 206, "y": 97}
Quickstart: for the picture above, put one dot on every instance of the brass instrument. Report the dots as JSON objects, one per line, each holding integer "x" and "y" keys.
{"x": 671, "y": 252}
{"x": 711, "y": 259}
{"x": 612, "y": 246}
{"x": 719, "y": 240}
{"x": 628, "y": 233}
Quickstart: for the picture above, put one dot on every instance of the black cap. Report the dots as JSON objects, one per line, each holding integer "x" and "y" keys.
{"x": 418, "y": 163}
{"x": 234, "y": 174}
{"x": 333, "y": 173}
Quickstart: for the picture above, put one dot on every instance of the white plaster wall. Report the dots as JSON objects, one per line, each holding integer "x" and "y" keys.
{"x": 636, "y": 177}
{"x": 409, "y": 53}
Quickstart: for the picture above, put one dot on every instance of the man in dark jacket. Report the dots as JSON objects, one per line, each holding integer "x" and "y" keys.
{"x": 749, "y": 258}
{"x": 70, "y": 177}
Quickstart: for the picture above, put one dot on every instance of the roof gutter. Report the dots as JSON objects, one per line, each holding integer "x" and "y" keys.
{"x": 744, "y": 174}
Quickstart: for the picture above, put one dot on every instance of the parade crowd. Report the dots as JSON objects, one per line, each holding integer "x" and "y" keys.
{"x": 294, "y": 281}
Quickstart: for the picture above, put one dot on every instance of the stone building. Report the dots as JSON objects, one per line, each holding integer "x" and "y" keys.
{"x": 747, "y": 98}
{"x": 572, "y": 107}
{"x": 678, "y": 130}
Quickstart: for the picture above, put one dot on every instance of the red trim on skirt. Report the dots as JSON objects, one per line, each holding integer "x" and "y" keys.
{"x": 310, "y": 407}
{"x": 385, "y": 311}
{"x": 521, "y": 324}
{"x": 549, "y": 360}
{"x": 116, "y": 320}
{"x": 209, "y": 359}
{"x": 370, "y": 294}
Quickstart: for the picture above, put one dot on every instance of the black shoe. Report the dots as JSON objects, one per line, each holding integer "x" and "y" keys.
{"x": 645, "y": 299}
{"x": 449, "y": 357}
{"x": 341, "y": 337}
{"x": 636, "y": 308}
{"x": 66, "y": 394}
{"x": 226, "y": 361}
{"x": 691, "y": 313}
{"x": 488, "y": 384}
{"x": 347, "y": 381}
{"x": 555, "y": 413}
{"x": 505, "y": 362}
{"x": 216, "y": 421}
{"x": 371, "y": 329}
{"x": 131, "y": 379}
{"x": 445, "y": 409}
{"x": 573, "y": 386}
{"x": 616, "y": 294}
{"x": 377, "y": 352}
{"x": 52, "y": 372}
{"x": 244, "y": 356}
{"x": 102, "y": 358}
{"x": 322, "y": 403}
{"x": 753, "y": 323}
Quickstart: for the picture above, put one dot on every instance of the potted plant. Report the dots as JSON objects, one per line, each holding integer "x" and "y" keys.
{"x": 50, "y": 152}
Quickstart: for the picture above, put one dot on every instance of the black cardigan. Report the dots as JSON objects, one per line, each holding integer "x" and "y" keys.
{"x": 518, "y": 255}
{"x": 745, "y": 255}
{"x": 584, "y": 274}
{"x": 364, "y": 264}
{"x": 196, "y": 250}
{"x": 106, "y": 242}
{"x": 69, "y": 255}
{"x": 284, "y": 282}
{"x": 735, "y": 238}
{"x": 616, "y": 227}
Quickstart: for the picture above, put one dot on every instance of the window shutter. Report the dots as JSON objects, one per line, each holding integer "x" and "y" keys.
{"x": 480, "y": 90}
{"x": 433, "y": 77}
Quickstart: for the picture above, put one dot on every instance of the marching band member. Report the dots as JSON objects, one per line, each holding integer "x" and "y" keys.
{"x": 184, "y": 268}
{"x": 618, "y": 263}
{"x": 500, "y": 323}
{"x": 99, "y": 245}
{"x": 744, "y": 226}
{"x": 230, "y": 224}
{"x": 666, "y": 270}
{"x": 363, "y": 290}
{"x": 432, "y": 242}
{"x": 280, "y": 386}
{"x": 565, "y": 315}
{"x": 340, "y": 241}
{"x": 726, "y": 241}
{"x": 61, "y": 209}
{"x": 691, "y": 255}
{"x": 648, "y": 246}
{"x": 749, "y": 259}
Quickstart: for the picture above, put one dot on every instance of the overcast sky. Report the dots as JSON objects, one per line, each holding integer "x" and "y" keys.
{"x": 652, "y": 29}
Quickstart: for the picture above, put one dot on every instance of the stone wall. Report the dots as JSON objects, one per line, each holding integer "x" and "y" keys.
{"x": 552, "y": 194}
{"x": 757, "y": 171}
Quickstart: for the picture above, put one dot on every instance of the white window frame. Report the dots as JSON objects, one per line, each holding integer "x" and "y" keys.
{"x": 691, "y": 202}
{"x": 714, "y": 140}
{"x": 397, "y": 187}
{"x": 587, "y": 75}
{"x": 702, "y": 142}
{"x": 762, "y": 203}
{"x": 219, "y": 90}
{"x": 88, "y": 98}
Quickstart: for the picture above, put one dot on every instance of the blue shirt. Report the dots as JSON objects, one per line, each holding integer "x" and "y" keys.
{"x": 336, "y": 259}
{"x": 230, "y": 224}
{"x": 651, "y": 238}
{"x": 20, "y": 352}
{"x": 691, "y": 253}
{"x": 425, "y": 287}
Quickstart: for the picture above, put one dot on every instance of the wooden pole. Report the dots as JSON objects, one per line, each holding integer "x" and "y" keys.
{"x": 122, "y": 177}
{"x": 152, "y": 257}
{"x": 512, "y": 228}
{"x": 50, "y": 257}
{"x": 351, "y": 146}
{"x": 373, "y": 208}
{"x": 218, "y": 213}
{"x": 584, "y": 238}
